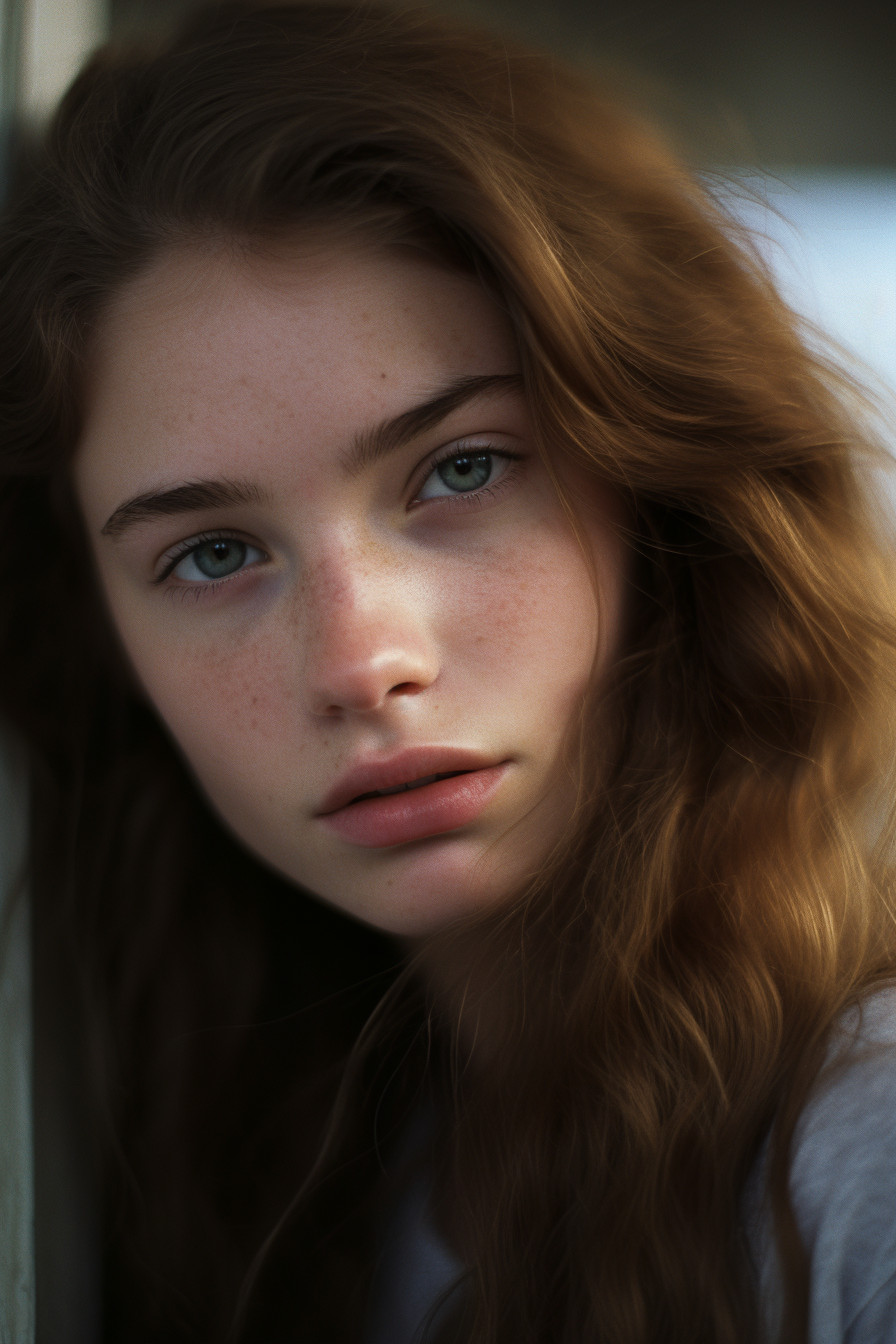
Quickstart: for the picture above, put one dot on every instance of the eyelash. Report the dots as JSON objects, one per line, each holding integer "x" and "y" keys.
{"x": 460, "y": 499}
{"x": 187, "y": 547}
{"x": 470, "y": 497}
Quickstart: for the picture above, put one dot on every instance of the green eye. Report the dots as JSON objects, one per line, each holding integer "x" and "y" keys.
{"x": 217, "y": 559}
{"x": 469, "y": 472}
{"x": 213, "y": 558}
{"x": 460, "y": 474}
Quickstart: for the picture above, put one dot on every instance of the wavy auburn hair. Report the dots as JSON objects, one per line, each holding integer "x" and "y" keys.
{"x": 658, "y": 1000}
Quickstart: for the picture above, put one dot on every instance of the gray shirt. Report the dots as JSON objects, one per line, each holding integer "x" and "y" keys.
{"x": 843, "y": 1185}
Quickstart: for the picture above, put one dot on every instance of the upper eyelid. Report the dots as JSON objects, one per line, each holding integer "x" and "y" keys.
{"x": 483, "y": 441}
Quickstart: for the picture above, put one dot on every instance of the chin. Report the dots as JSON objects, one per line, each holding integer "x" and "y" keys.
{"x": 416, "y": 908}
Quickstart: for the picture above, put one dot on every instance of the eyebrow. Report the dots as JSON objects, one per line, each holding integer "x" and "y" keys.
{"x": 368, "y": 447}
{"x": 391, "y": 435}
{"x": 189, "y": 498}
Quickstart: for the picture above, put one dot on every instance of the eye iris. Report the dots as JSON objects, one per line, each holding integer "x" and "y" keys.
{"x": 468, "y": 472}
{"x": 216, "y": 559}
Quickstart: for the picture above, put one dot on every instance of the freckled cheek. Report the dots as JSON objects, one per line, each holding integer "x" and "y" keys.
{"x": 216, "y": 700}
{"x": 529, "y": 610}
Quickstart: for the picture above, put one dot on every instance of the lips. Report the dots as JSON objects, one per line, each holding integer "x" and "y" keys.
{"x": 417, "y": 794}
{"x": 405, "y": 788}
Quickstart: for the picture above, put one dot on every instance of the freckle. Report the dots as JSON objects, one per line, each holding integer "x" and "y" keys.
{"x": 382, "y": 375}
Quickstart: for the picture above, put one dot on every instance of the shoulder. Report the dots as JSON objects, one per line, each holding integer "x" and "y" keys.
{"x": 843, "y": 1185}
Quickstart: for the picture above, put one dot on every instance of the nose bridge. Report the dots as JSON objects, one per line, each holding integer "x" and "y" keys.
{"x": 367, "y": 630}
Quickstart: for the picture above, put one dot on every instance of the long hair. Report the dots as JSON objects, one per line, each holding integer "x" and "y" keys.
{"x": 657, "y": 1001}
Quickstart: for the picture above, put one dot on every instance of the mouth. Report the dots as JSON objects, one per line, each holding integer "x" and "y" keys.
{"x": 406, "y": 788}
{"x": 407, "y": 771}
{"x": 380, "y": 804}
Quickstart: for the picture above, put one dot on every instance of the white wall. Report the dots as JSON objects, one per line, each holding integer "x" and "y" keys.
{"x": 56, "y": 37}
{"x": 831, "y": 239}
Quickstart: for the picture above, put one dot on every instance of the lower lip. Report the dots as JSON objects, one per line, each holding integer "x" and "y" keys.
{"x": 433, "y": 809}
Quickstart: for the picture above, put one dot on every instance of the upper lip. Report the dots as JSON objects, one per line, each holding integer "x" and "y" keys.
{"x": 407, "y": 766}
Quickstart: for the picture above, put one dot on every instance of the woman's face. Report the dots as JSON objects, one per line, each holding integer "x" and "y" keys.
{"x": 339, "y": 568}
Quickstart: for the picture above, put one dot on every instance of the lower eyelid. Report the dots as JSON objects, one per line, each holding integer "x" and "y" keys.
{"x": 471, "y": 497}
{"x": 195, "y": 592}
{"x": 184, "y": 589}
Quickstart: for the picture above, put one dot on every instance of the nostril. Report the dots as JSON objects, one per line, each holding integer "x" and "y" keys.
{"x": 406, "y": 688}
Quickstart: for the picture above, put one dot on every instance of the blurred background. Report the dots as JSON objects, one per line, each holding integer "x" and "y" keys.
{"x": 790, "y": 102}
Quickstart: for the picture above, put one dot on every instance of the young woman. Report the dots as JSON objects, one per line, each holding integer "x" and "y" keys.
{"x": 451, "y": 629}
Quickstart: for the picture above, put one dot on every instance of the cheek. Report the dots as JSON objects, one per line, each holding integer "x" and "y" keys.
{"x": 221, "y": 700}
{"x": 534, "y": 615}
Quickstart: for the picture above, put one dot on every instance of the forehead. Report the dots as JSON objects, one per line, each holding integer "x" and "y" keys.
{"x": 304, "y": 302}
{"x": 213, "y": 350}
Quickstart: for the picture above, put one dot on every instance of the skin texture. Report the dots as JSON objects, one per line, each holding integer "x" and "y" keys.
{"x": 374, "y": 609}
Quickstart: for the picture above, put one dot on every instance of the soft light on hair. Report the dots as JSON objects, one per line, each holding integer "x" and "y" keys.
{"x": 661, "y": 993}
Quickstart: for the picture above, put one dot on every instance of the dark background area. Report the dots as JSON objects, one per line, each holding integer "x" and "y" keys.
{"x": 763, "y": 84}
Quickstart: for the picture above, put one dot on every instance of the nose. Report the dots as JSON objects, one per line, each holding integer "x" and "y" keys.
{"x": 369, "y": 638}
